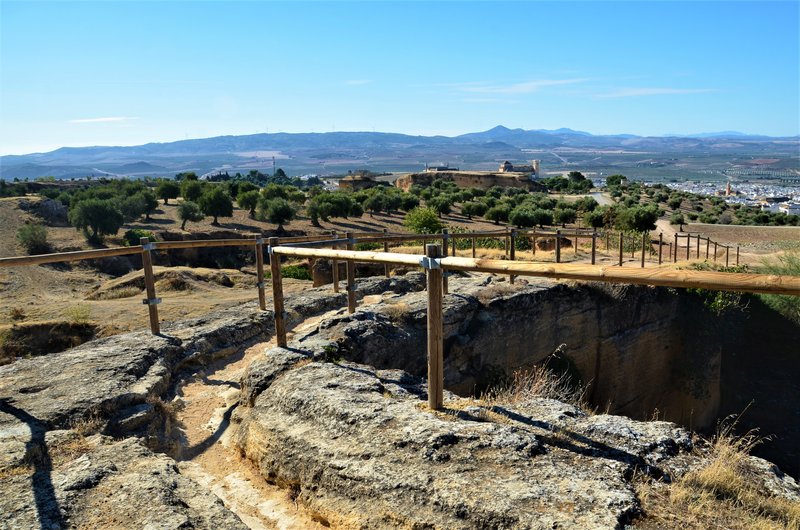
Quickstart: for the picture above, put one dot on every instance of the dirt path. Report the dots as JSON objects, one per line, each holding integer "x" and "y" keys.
{"x": 206, "y": 403}
{"x": 207, "y": 457}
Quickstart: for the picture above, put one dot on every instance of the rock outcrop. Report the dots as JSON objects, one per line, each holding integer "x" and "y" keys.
{"x": 605, "y": 336}
{"x": 59, "y": 479}
{"x": 360, "y": 448}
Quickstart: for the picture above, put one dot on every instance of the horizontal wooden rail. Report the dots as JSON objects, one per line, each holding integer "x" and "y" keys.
{"x": 349, "y": 255}
{"x": 723, "y": 281}
{"x": 41, "y": 259}
{"x": 203, "y": 243}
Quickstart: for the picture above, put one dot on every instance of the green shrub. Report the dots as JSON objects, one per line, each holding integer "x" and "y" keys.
{"x": 369, "y": 246}
{"x": 297, "y": 272}
{"x": 423, "y": 221}
{"x": 34, "y": 238}
{"x": 131, "y": 237}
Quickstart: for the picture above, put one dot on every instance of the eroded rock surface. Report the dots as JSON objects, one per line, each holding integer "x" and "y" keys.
{"x": 68, "y": 481}
{"x": 114, "y": 385}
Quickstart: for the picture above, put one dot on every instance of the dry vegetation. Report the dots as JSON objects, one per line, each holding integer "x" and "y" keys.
{"x": 724, "y": 492}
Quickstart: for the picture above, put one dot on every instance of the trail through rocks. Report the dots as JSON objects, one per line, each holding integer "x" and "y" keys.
{"x": 203, "y": 409}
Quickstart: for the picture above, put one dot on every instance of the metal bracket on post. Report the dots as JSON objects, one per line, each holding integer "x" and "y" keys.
{"x": 151, "y": 301}
{"x": 269, "y": 250}
{"x": 261, "y": 285}
{"x": 430, "y": 263}
{"x": 259, "y": 241}
{"x": 149, "y": 246}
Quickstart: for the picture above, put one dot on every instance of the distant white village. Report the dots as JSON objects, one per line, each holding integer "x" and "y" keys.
{"x": 769, "y": 197}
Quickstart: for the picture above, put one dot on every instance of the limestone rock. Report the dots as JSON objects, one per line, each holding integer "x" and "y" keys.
{"x": 68, "y": 481}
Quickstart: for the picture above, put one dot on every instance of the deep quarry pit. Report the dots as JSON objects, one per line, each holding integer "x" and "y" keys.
{"x": 333, "y": 430}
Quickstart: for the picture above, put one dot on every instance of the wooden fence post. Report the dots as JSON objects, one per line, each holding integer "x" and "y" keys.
{"x": 737, "y": 255}
{"x": 505, "y": 243}
{"x": 558, "y": 246}
{"x": 670, "y": 248}
{"x": 513, "y": 251}
{"x": 633, "y": 246}
{"x": 576, "y": 241}
{"x": 435, "y": 333}
{"x": 688, "y": 245}
{"x": 335, "y": 268}
{"x": 150, "y": 286}
{"x": 645, "y": 236}
{"x": 473, "y": 247}
{"x": 608, "y": 235}
{"x": 454, "y": 246}
{"x": 533, "y": 243}
{"x": 277, "y": 294}
{"x": 445, "y": 243}
{"x": 385, "y": 249}
{"x": 262, "y": 298}
{"x": 351, "y": 276}
{"x": 660, "y": 246}
{"x": 621, "y": 241}
{"x": 708, "y": 240}
{"x": 698, "y": 246}
{"x": 727, "y": 254}
{"x": 594, "y": 244}
{"x": 675, "y": 258}
{"x": 715, "y": 251}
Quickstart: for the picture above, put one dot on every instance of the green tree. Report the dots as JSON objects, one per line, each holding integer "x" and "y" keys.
{"x": 674, "y": 202}
{"x": 216, "y": 202}
{"x": 678, "y": 219}
{"x": 638, "y": 218}
{"x": 498, "y": 213}
{"x": 423, "y": 221}
{"x": 278, "y": 211}
{"x": 168, "y": 189}
{"x": 248, "y": 200}
{"x": 542, "y": 217}
{"x": 564, "y": 216}
{"x": 132, "y": 207}
{"x": 441, "y": 204}
{"x": 189, "y": 211}
{"x": 191, "y": 190}
{"x": 374, "y": 203}
{"x": 522, "y": 216}
{"x": 471, "y": 208}
{"x": 33, "y": 237}
{"x": 594, "y": 219}
{"x": 150, "y": 202}
{"x": 615, "y": 180}
{"x": 96, "y": 217}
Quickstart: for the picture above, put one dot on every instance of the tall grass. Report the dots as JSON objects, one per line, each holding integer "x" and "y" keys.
{"x": 786, "y": 264}
{"x": 724, "y": 492}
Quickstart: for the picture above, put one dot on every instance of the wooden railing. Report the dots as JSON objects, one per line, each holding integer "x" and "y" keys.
{"x": 436, "y": 263}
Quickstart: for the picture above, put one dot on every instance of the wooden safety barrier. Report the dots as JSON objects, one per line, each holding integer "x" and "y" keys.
{"x": 436, "y": 266}
{"x": 302, "y": 246}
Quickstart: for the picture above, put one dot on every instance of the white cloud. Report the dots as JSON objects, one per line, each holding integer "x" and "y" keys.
{"x": 488, "y": 100}
{"x": 637, "y": 92}
{"x": 357, "y": 82}
{"x": 110, "y": 119}
{"x": 525, "y": 87}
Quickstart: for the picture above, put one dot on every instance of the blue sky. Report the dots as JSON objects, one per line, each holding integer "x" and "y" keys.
{"x": 125, "y": 73}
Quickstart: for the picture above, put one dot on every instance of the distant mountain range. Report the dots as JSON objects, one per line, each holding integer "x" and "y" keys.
{"x": 337, "y": 152}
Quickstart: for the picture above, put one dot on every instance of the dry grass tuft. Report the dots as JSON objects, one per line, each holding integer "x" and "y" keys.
{"x": 78, "y": 314}
{"x": 397, "y": 311}
{"x": 538, "y": 382}
{"x": 496, "y": 290}
{"x": 724, "y": 493}
{"x": 89, "y": 425}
